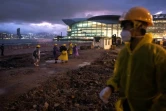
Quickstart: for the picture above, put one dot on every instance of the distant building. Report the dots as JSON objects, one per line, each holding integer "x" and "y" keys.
{"x": 106, "y": 26}
{"x": 5, "y": 35}
{"x": 97, "y": 26}
{"x": 159, "y": 28}
{"x": 18, "y": 33}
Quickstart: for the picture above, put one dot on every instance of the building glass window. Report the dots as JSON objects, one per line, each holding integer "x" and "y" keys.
{"x": 90, "y": 29}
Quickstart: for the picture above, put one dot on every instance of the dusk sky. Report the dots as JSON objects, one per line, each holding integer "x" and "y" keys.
{"x": 34, "y": 16}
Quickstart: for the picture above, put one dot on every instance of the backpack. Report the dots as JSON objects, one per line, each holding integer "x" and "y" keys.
{"x": 35, "y": 53}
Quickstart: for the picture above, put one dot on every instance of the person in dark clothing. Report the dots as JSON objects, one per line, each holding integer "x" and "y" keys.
{"x": 36, "y": 55}
{"x": 2, "y": 50}
{"x": 63, "y": 48}
{"x": 55, "y": 52}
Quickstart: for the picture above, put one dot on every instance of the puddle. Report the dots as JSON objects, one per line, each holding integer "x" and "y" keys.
{"x": 87, "y": 63}
{"x": 53, "y": 61}
{"x": 42, "y": 53}
{"x": 84, "y": 64}
{"x": 2, "y": 91}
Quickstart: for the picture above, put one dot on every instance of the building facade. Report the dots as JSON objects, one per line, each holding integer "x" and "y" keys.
{"x": 6, "y": 36}
{"x": 106, "y": 26}
{"x": 159, "y": 28}
{"x": 98, "y": 26}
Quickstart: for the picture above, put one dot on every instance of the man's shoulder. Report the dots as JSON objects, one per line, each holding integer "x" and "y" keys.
{"x": 154, "y": 46}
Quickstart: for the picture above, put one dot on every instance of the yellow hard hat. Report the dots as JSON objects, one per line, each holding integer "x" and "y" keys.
{"x": 38, "y": 46}
{"x": 140, "y": 14}
{"x": 64, "y": 44}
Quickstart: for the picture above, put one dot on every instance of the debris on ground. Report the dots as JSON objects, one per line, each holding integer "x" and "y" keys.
{"x": 17, "y": 61}
{"x": 75, "y": 90}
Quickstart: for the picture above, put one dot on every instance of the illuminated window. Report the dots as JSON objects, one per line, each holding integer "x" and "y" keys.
{"x": 84, "y": 24}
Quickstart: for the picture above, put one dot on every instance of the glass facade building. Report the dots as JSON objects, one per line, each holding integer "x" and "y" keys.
{"x": 89, "y": 29}
{"x": 106, "y": 26}
{"x": 159, "y": 28}
{"x": 98, "y": 26}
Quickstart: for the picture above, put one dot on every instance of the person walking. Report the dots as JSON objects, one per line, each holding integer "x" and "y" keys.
{"x": 64, "y": 55}
{"x": 36, "y": 55}
{"x": 56, "y": 52}
{"x": 75, "y": 51}
{"x": 70, "y": 49}
{"x": 139, "y": 73}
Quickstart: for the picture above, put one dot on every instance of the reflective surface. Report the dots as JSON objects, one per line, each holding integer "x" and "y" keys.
{"x": 90, "y": 29}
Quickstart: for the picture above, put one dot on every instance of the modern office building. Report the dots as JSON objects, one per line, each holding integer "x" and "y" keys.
{"x": 19, "y": 33}
{"x": 98, "y": 26}
{"x": 159, "y": 28}
{"x": 106, "y": 26}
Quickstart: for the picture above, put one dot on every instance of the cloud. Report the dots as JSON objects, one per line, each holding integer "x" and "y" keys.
{"x": 37, "y": 11}
{"x": 25, "y": 12}
{"x": 34, "y": 28}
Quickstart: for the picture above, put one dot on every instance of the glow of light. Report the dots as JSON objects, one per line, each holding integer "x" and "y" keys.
{"x": 46, "y": 24}
{"x": 160, "y": 12}
{"x": 49, "y": 27}
{"x": 96, "y": 13}
{"x": 34, "y": 27}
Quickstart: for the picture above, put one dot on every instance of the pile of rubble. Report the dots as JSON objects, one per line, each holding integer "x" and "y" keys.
{"x": 75, "y": 90}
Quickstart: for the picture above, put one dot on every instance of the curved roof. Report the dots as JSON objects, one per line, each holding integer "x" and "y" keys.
{"x": 73, "y": 21}
{"x": 159, "y": 17}
{"x": 107, "y": 19}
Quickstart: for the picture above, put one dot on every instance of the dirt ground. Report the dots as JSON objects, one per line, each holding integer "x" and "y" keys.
{"x": 18, "y": 75}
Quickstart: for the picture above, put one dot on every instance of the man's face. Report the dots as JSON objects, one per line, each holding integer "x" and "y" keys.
{"x": 129, "y": 26}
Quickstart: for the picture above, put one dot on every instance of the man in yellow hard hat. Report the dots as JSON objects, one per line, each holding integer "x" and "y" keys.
{"x": 70, "y": 49}
{"x": 36, "y": 55}
{"x": 139, "y": 73}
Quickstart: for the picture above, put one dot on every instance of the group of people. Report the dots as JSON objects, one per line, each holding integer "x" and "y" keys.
{"x": 63, "y": 52}
{"x": 59, "y": 53}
